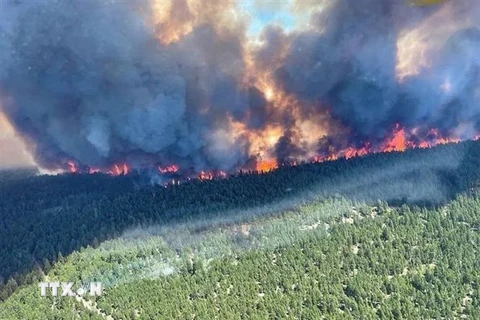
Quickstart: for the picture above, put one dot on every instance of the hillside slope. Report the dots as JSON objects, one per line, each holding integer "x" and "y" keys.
{"x": 47, "y": 218}
{"x": 334, "y": 259}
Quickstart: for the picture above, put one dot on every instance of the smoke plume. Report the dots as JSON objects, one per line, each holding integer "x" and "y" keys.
{"x": 156, "y": 83}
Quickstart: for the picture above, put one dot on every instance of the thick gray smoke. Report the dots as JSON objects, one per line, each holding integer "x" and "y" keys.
{"x": 349, "y": 60}
{"x": 90, "y": 81}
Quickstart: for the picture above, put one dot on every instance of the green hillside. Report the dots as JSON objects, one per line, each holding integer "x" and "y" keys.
{"x": 387, "y": 235}
{"x": 333, "y": 259}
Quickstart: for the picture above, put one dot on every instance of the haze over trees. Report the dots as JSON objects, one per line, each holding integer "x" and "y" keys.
{"x": 387, "y": 235}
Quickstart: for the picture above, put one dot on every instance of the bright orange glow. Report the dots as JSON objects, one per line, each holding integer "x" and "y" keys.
{"x": 168, "y": 169}
{"x": 119, "y": 169}
{"x": 266, "y": 165}
{"x": 93, "y": 170}
{"x": 210, "y": 175}
{"x": 269, "y": 94}
{"x": 443, "y": 140}
{"x": 14, "y": 151}
{"x": 204, "y": 175}
{"x": 284, "y": 117}
{"x": 398, "y": 142}
{"x": 72, "y": 167}
{"x": 176, "y": 19}
{"x": 352, "y": 152}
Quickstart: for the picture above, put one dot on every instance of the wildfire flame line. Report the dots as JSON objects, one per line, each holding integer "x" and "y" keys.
{"x": 400, "y": 140}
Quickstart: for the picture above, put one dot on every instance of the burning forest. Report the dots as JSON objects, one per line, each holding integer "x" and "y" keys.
{"x": 191, "y": 89}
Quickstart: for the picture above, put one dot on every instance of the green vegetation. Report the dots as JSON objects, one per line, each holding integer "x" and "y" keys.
{"x": 377, "y": 236}
{"x": 336, "y": 259}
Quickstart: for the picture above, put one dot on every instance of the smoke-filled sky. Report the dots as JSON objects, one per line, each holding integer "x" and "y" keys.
{"x": 215, "y": 85}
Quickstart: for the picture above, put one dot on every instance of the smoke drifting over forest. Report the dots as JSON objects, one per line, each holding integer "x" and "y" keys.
{"x": 153, "y": 83}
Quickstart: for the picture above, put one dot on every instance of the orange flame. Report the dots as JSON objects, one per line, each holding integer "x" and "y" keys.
{"x": 266, "y": 165}
{"x": 168, "y": 169}
{"x": 117, "y": 170}
{"x": 204, "y": 175}
{"x": 210, "y": 175}
{"x": 72, "y": 167}
{"x": 399, "y": 140}
{"x": 352, "y": 152}
{"x": 93, "y": 170}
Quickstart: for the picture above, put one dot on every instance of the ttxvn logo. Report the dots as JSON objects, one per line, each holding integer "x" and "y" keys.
{"x": 66, "y": 289}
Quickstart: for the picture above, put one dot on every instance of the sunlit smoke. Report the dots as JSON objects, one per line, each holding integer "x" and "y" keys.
{"x": 13, "y": 152}
{"x": 418, "y": 45}
{"x": 191, "y": 89}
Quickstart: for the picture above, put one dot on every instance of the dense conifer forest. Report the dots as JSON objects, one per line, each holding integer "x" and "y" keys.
{"x": 390, "y": 235}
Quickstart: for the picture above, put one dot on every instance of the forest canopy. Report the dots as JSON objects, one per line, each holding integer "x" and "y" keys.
{"x": 340, "y": 234}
